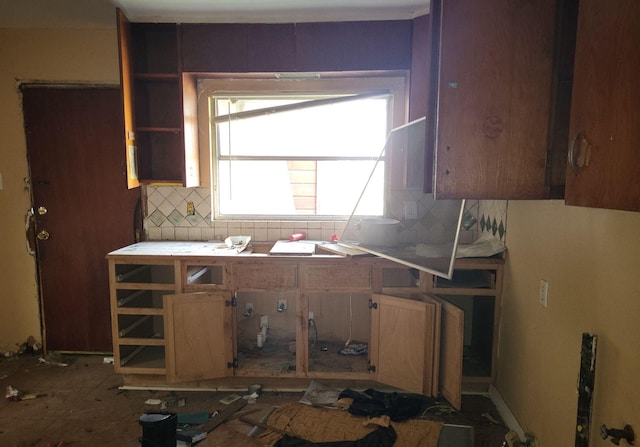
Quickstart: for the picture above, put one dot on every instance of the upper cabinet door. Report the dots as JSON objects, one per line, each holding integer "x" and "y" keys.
{"x": 604, "y": 146}
{"x": 492, "y": 97}
{"x": 124, "y": 42}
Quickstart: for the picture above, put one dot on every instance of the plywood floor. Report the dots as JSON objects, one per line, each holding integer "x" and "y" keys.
{"x": 82, "y": 404}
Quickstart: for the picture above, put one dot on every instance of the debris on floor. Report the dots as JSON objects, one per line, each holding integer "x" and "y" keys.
{"x": 15, "y": 395}
{"x": 53, "y": 359}
{"x": 29, "y": 346}
{"x": 172, "y": 403}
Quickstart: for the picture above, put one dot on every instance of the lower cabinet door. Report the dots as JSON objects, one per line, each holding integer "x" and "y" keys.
{"x": 451, "y": 351}
{"x": 416, "y": 345}
{"x": 402, "y": 342}
{"x": 199, "y": 336}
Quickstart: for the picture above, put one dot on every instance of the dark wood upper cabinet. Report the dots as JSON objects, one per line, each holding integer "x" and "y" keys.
{"x": 160, "y": 64}
{"x": 604, "y": 170}
{"x": 490, "y": 103}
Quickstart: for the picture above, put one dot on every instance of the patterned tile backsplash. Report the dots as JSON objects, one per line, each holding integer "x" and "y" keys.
{"x": 492, "y": 218}
{"x": 167, "y": 218}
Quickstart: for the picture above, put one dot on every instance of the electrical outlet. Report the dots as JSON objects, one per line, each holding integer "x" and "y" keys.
{"x": 410, "y": 210}
{"x": 544, "y": 293}
{"x": 191, "y": 209}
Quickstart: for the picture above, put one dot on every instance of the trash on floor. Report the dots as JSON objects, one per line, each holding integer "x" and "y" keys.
{"x": 231, "y": 398}
{"x": 171, "y": 403}
{"x": 15, "y": 395}
{"x": 315, "y": 425}
{"x": 320, "y": 395}
{"x": 52, "y": 359}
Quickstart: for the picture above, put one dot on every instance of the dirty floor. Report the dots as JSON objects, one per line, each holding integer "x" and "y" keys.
{"x": 81, "y": 404}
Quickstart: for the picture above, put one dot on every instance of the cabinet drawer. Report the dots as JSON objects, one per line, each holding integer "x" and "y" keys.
{"x": 337, "y": 277}
{"x": 260, "y": 276}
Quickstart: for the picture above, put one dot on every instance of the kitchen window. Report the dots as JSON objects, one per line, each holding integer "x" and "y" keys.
{"x": 298, "y": 147}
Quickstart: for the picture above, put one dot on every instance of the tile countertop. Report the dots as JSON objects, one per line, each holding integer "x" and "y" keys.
{"x": 211, "y": 248}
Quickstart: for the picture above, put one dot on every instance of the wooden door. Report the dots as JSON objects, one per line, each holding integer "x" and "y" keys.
{"x": 451, "y": 351}
{"x": 605, "y": 110}
{"x": 83, "y": 208}
{"x": 199, "y": 336}
{"x": 402, "y": 342}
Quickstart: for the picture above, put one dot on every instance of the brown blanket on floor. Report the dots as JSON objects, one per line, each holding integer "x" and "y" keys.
{"x": 325, "y": 425}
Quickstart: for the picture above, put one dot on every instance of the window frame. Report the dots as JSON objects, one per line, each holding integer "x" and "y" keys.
{"x": 396, "y": 83}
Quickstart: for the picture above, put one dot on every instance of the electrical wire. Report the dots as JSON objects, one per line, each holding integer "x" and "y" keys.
{"x": 312, "y": 322}
{"x": 350, "y": 323}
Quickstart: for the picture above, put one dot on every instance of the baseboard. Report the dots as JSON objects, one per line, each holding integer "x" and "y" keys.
{"x": 505, "y": 412}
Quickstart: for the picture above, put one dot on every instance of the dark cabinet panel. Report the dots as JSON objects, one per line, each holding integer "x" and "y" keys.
{"x": 383, "y": 45}
{"x": 492, "y": 107}
{"x": 241, "y": 48}
{"x": 272, "y": 47}
{"x": 221, "y": 47}
{"x": 605, "y": 112}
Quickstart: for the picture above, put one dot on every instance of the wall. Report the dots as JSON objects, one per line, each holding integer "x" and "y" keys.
{"x": 88, "y": 55}
{"x": 590, "y": 257}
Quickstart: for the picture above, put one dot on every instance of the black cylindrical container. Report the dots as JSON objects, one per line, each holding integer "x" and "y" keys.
{"x": 158, "y": 429}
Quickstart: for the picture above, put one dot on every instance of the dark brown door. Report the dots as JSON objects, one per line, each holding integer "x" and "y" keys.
{"x": 82, "y": 206}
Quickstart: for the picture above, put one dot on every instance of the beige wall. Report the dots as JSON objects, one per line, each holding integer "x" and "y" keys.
{"x": 53, "y": 55}
{"x": 591, "y": 259}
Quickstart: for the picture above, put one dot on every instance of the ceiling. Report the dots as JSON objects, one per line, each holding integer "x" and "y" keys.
{"x": 101, "y": 13}
{"x": 270, "y": 11}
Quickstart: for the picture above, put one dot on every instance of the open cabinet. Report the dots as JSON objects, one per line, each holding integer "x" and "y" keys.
{"x": 204, "y": 320}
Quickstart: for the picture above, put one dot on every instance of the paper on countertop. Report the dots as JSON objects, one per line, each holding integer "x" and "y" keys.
{"x": 483, "y": 247}
{"x": 237, "y": 243}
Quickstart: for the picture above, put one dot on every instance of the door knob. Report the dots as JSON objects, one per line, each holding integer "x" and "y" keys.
{"x": 43, "y": 235}
{"x": 42, "y": 211}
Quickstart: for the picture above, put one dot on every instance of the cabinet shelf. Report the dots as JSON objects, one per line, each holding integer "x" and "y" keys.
{"x": 143, "y": 357}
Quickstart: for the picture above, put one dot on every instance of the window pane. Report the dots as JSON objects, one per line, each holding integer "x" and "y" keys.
{"x": 357, "y": 128}
{"x": 324, "y": 188}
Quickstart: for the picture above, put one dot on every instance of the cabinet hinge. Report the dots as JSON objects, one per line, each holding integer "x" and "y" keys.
{"x": 233, "y": 364}
{"x": 371, "y": 368}
{"x": 233, "y": 302}
{"x": 372, "y": 304}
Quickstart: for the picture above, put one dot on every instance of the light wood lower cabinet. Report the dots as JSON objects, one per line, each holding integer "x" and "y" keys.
{"x": 190, "y": 319}
{"x": 199, "y": 334}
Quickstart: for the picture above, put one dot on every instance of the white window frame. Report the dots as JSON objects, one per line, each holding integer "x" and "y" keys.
{"x": 394, "y": 82}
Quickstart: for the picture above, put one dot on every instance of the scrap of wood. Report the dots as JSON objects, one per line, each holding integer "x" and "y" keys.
{"x": 223, "y": 415}
{"x": 243, "y": 414}
{"x": 264, "y": 426}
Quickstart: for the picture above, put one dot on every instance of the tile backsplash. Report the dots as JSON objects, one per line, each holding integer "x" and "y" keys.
{"x": 166, "y": 217}
{"x": 492, "y": 218}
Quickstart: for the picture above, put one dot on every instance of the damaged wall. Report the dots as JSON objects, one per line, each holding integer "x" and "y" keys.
{"x": 80, "y": 55}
